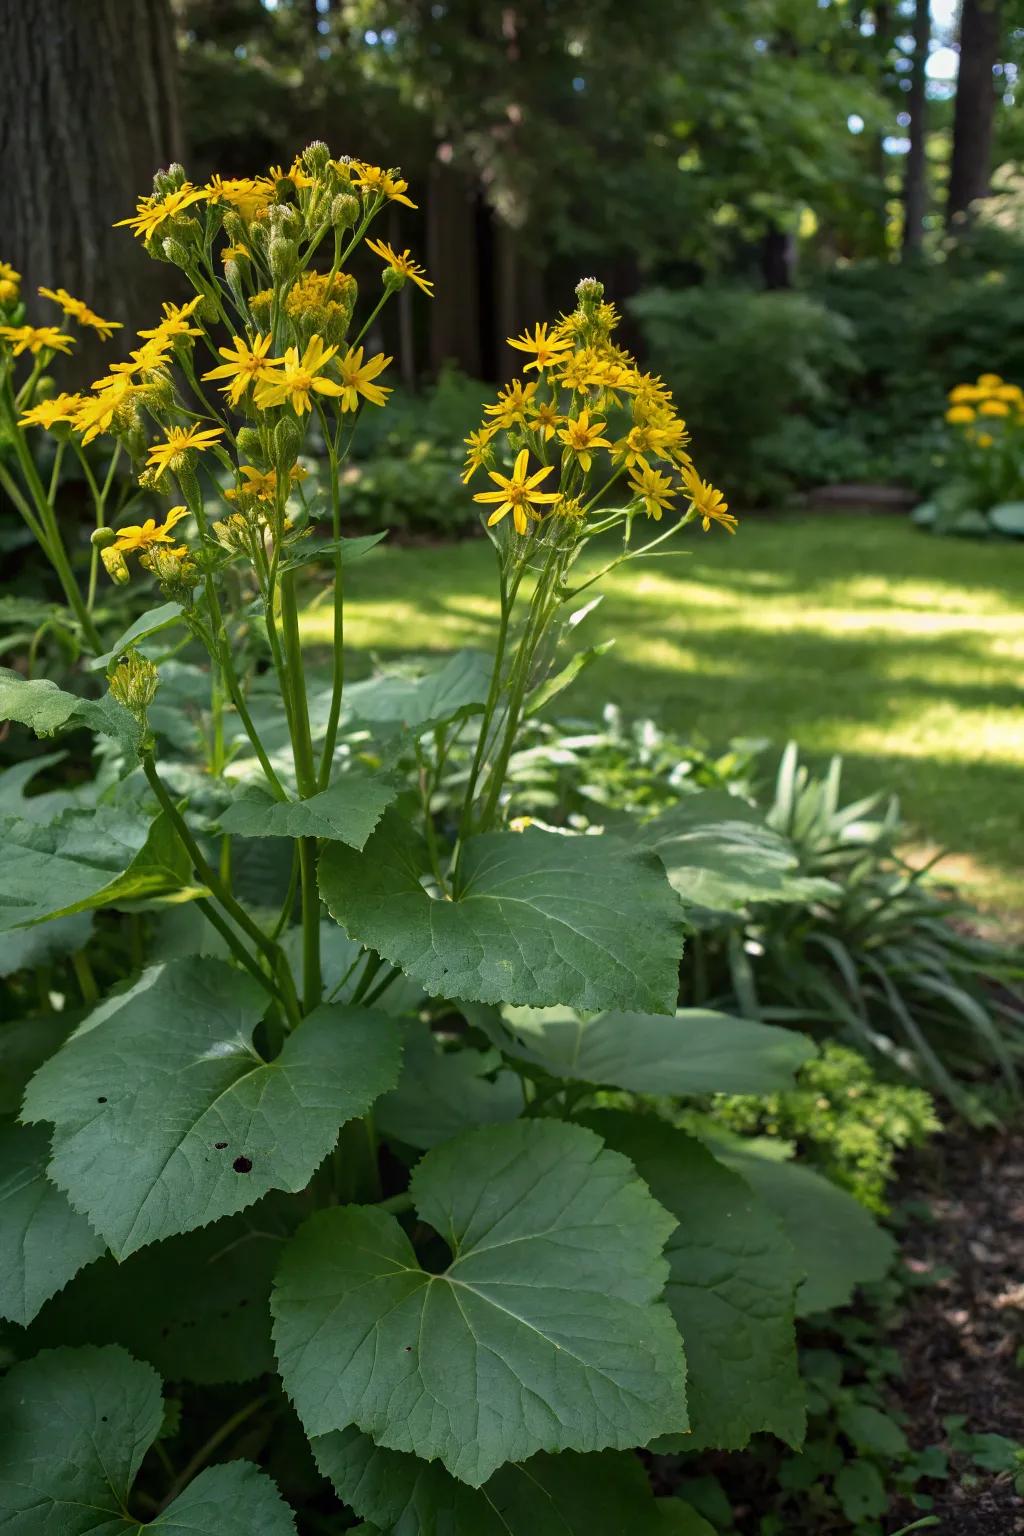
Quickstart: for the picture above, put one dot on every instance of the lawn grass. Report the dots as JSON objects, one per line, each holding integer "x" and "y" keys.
{"x": 852, "y": 634}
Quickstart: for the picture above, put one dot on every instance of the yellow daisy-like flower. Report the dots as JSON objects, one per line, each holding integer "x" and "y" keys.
{"x": 989, "y": 381}
{"x": 234, "y": 253}
{"x": 403, "y": 264}
{"x": 375, "y": 181}
{"x": 247, "y": 195}
{"x": 357, "y": 377}
{"x": 10, "y": 282}
{"x": 79, "y": 310}
{"x": 960, "y": 415}
{"x": 514, "y": 403}
{"x": 581, "y": 436}
{"x": 298, "y": 379}
{"x": 654, "y": 489}
{"x": 145, "y": 361}
{"x": 179, "y": 442}
{"x": 246, "y": 363}
{"x": 478, "y": 457}
{"x": 984, "y": 440}
{"x": 36, "y": 338}
{"x": 140, "y": 536}
{"x": 582, "y": 371}
{"x": 48, "y": 412}
{"x": 710, "y": 505}
{"x": 1011, "y": 392}
{"x": 992, "y": 408}
{"x": 175, "y": 322}
{"x": 518, "y": 492}
{"x": 545, "y": 349}
{"x": 96, "y": 412}
{"x": 151, "y": 212}
{"x": 545, "y": 420}
{"x": 965, "y": 394}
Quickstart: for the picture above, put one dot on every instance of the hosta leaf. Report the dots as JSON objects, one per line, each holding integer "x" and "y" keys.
{"x": 605, "y": 1494}
{"x": 544, "y": 1332}
{"x": 45, "y": 709}
{"x": 346, "y": 812}
{"x": 838, "y": 1245}
{"x": 733, "y": 1278}
{"x": 415, "y": 703}
{"x": 719, "y": 856}
{"x": 538, "y": 918}
{"x": 84, "y": 860}
{"x": 43, "y": 1242}
{"x": 74, "y": 1427}
{"x": 441, "y": 1093}
{"x": 166, "y": 1117}
{"x": 696, "y": 1051}
{"x": 196, "y": 1307}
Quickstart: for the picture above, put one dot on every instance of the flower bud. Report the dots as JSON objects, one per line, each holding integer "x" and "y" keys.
{"x": 115, "y": 565}
{"x": 315, "y": 157}
{"x": 102, "y": 538}
{"x": 287, "y": 442}
{"x": 392, "y": 279}
{"x": 176, "y": 253}
{"x": 589, "y": 291}
{"x": 133, "y": 682}
{"x": 250, "y": 445}
{"x": 344, "y": 210}
{"x": 169, "y": 180}
{"x": 283, "y": 256}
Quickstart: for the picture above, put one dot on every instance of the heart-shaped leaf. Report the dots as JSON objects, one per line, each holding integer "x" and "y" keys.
{"x": 538, "y": 918}
{"x": 545, "y": 1331}
{"x": 43, "y": 1242}
{"x": 166, "y": 1117}
{"x": 346, "y": 812}
{"x": 441, "y": 1093}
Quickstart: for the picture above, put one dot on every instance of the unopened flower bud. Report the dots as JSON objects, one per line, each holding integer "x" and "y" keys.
{"x": 115, "y": 565}
{"x": 102, "y": 538}
{"x": 392, "y": 279}
{"x": 287, "y": 442}
{"x": 283, "y": 256}
{"x": 249, "y": 444}
{"x": 344, "y": 210}
{"x": 589, "y": 290}
{"x": 133, "y": 682}
{"x": 175, "y": 252}
{"x": 315, "y": 156}
{"x": 169, "y": 180}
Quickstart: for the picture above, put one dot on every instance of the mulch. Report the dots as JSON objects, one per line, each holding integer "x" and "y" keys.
{"x": 960, "y": 1337}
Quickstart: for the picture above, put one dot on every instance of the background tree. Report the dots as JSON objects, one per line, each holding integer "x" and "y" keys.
{"x": 915, "y": 180}
{"x": 974, "y": 115}
{"x": 97, "y": 83}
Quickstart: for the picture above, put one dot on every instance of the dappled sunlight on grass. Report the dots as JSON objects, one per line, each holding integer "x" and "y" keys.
{"x": 852, "y": 634}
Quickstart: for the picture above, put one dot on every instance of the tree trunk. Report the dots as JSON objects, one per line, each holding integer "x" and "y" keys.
{"x": 95, "y": 113}
{"x": 971, "y": 164}
{"x": 778, "y": 258}
{"x": 452, "y": 251}
{"x": 915, "y": 184}
{"x": 518, "y": 298}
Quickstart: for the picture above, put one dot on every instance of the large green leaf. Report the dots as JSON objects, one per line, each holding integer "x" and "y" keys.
{"x": 24, "y": 1046}
{"x": 74, "y": 1427}
{"x": 43, "y": 1242}
{"x": 45, "y": 942}
{"x": 346, "y": 812}
{"x": 732, "y": 1284}
{"x": 696, "y": 1051}
{"x": 719, "y": 855}
{"x": 150, "y": 623}
{"x": 46, "y": 709}
{"x": 306, "y": 552}
{"x": 605, "y": 1494}
{"x": 441, "y": 1093}
{"x": 88, "y": 859}
{"x": 417, "y": 703}
{"x": 166, "y": 1116}
{"x": 545, "y": 1332}
{"x": 838, "y": 1244}
{"x": 196, "y": 1307}
{"x": 538, "y": 918}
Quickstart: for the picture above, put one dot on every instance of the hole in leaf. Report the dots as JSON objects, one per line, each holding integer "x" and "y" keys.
{"x": 220, "y": 1145}
{"x": 102, "y": 1099}
{"x": 242, "y": 1165}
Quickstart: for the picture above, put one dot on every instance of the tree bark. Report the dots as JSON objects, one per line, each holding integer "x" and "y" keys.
{"x": 452, "y": 250}
{"x": 915, "y": 183}
{"x": 974, "y": 112}
{"x": 95, "y": 114}
{"x": 778, "y": 258}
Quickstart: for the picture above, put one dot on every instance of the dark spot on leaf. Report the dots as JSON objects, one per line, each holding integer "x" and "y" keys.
{"x": 220, "y": 1145}
{"x": 244, "y": 1301}
{"x": 242, "y": 1165}
{"x": 102, "y": 1099}
{"x": 103, "y": 1418}
{"x": 408, "y": 1349}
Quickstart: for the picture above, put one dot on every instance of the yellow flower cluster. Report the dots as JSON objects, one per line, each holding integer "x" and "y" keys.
{"x": 985, "y": 404}
{"x": 589, "y": 405}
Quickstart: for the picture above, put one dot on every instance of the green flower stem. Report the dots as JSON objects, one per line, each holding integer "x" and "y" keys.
{"x": 34, "y": 527}
{"x": 206, "y": 1450}
{"x": 85, "y": 978}
{"x": 306, "y": 778}
{"x": 54, "y": 545}
{"x": 217, "y": 887}
{"x": 396, "y": 1204}
{"x": 238, "y": 949}
{"x": 507, "y": 596}
{"x": 338, "y": 637}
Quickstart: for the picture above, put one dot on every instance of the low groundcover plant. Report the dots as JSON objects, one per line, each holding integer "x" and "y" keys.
{"x": 335, "y": 1125}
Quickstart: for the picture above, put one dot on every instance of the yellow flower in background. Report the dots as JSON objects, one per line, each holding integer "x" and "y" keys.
{"x": 151, "y": 212}
{"x": 403, "y": 264}
{"x": 179, "y": 442}
{"x": 518, "y": 492}
{"x": 993, "y": 408}
{"x": 247, "y": 363}
{"x": 145, "y": 361}
{"x": 375, "y": 181}
{"x": 139, "y": 536}
{"x": 298, "y": 379}
{"x": 654, "y": 489}
{"x": 581, "y": 436}
{"x": 1011, "y": 392}
{"x": 513, "y": 404}
{"x": 960, "y": 415}
{"x": 651, "y": 440}
{"x": 545, "y": 349}
{"x": 10, "y": 282}
{"x": 984, "y": 440}
{"x": 989, "y": 381}
{"x": 48, "y": 412}
{"x": 965, "y": 394}
{"x": 709, "y": 504}
{"x": 175, "y": 322}
{"x": 36, "y": 338}
{"x": 79, "y": 310}
{"x": 479, "y": 445}
{"x": 357, "y": 379}
{"x": 262, "y": 483}
{"x": 295, "y": 174}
